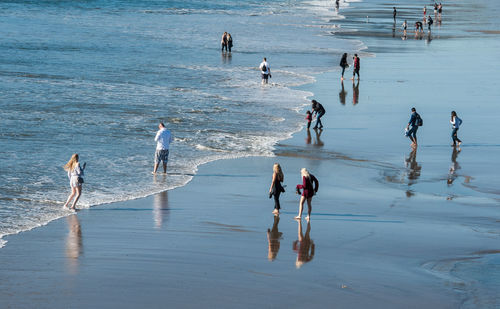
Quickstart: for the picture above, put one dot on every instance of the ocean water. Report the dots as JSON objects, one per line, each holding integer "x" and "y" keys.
{"x": 96, "y": 77}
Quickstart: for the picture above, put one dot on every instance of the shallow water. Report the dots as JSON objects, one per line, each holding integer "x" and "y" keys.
{"x": 96, "y": 77}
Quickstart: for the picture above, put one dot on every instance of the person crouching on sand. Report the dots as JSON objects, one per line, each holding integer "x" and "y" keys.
{"x": 307, "y": 192}
{"x": 276, "y": 188}
{"x": 75, "y": 175}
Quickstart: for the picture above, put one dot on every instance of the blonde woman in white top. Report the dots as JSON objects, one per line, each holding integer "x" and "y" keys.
{"x": 75, "y": 175}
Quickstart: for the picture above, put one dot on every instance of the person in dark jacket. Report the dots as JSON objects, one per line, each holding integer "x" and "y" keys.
{"x": 343, "y": 64}
{"x": 308, "y": 190}
{"x": 276, "y": 188}
{"x": 320, "y": 111}
{"x": 412, "y": 133}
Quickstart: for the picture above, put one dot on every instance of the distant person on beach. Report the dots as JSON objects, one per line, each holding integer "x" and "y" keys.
{"x": 163, "y": 139}
{"x": 355, "y": 93}
{"x": 357, "y": 66}
{"x": 415, "y": 122}
{"x": 276, "y": 188}
{"x": 455, "y": 124}
{"x": 343, "y": 64}
{"x": 435, "y": 9}
{"x": 308, "y": 190}
{"x": 273, "y": 240}
{"x": 429, "y": 23}
{"x": 223, "y": 41}
{"x": 319, "y": 110}
{"x": 337, "y": 4}
{"x": 405, "y": 26}
{"x": 75, "y": 175}
{"x": 425, "y": 12}
{"x": 342, "y": 93}
{"x": 309, "y": 118}
{"x": 304, "y": 246}
{"x": 265, "y": 71}
{"x": 394, "y": 13}
{"x": 419, "y": 27}
{"x": 229, "y": 41}
{"x": 440, "y": 9}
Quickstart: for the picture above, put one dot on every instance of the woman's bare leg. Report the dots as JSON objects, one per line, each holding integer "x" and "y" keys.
{"x": 309, "y": 208}
{"x": 78, "y": 194}
{"x": 70, "y": 197}
{"x": 301, "y": 207}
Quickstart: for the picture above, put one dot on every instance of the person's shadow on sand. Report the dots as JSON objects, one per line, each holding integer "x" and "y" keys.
{"x": 304, "y": 246}
{"x": 74, "y": 243}
{"x": 355, "y": 92}
{"x": 413, "y": 168}
{"x": 273, "y": 240}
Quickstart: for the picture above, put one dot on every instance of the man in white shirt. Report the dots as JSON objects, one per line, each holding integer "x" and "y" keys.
{"x": 163, "y": 139}
{"x": 265, "y": 71}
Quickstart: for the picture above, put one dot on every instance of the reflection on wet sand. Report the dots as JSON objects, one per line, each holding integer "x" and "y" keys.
{"x": 304, "y": 246}
{"x": 413, "y": 171}
{"x": 355, "y": 92}
{"x": 342, "y": 93}
{"x": 308, "y": 138}
{"x": 317, "y": 141}
{"x": 74, "y": 245}
{"x": 273, "y": 239}
{"x": 454, "y": 166}
{"x": 160, "y": 209}
{"x": 226, "y": 57}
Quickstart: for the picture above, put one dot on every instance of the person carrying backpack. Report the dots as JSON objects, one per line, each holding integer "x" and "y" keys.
{"x": 455, "y": 124}
{"x": 415, "y": 122}
{"x": 265, "y": 71}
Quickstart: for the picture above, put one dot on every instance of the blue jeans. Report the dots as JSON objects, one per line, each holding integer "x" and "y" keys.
{"x": 318, "y": 120}
{"x": 412, "y": 134}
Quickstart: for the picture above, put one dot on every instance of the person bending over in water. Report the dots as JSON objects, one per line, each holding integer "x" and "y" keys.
{"x": 276, "y": 188}
{"x": 455, "y": 124}
{"x": 320, "y": 111}
{"x": 343, "y": 64}
{"x": 75, "y": 175}
{"x": 308, "y": 190}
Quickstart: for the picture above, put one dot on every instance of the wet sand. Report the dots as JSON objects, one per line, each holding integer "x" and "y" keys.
{"x": 390, "y": 228}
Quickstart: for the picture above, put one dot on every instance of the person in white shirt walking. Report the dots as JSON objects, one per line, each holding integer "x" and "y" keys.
{"x": 163, "y": 139}
{"x": 265, "y": 71}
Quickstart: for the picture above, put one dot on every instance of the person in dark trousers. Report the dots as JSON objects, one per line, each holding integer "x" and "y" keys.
{"x": 343, "y": 64}
{"x": 455, "y": 124}
{"x": 229, "y": 41}
{"x": 276, "y": 188}
{"x": 223, "y": 41}
{"x": 394, "y": 13}
{"x": 320, "y": 111}
{"x": 429, "y": 23}
{"x": 357, "y": 66}
{"x": 412, "y": 133}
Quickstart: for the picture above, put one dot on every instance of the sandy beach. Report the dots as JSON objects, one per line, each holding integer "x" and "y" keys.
{"x": 390, "y": 227}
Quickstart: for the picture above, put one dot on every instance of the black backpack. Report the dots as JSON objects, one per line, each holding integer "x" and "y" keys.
{"x": 263, "y": 68}
{"x": 419, "y": 121}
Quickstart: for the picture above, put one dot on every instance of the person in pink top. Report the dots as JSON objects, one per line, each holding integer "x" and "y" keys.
{"x": 308, "y": 191}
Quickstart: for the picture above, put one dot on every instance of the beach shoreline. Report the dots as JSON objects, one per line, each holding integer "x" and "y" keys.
{"x": 387, "y": 229}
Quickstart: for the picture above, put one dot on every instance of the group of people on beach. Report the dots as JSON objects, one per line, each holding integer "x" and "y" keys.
{"x": 426, "y": 20}
{"x": 345, "y": 65}
{"x": 226, "y": 42}
{"x": 416, "y": 121}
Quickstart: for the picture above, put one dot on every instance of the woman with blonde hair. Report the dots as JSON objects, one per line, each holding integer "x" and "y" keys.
{"x": 276, "y": 187}
{"x": 75, "y": 175}
{"x": 307, "y": 192}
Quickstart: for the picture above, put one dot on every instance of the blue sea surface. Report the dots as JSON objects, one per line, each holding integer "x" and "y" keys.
{"x": 96, "y": 77}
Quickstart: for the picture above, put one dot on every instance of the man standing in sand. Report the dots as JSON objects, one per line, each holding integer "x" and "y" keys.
{"x": 265, "y": 71}
{"x": 414, "y": 122}
{"x": 163, "y": 139}
{"x": 357, "y": 66}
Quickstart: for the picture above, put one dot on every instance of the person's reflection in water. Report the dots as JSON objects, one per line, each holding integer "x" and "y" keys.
{"x": 304, "y": 246}
{"x": 308, "y": 138}
{"x": 74, "y": 245}
{"x": 273, "y": 239}
{"x": 318, "y": 142}
{"x": 394, "y": 29}
{"x": 160, "y": 209}
{"x": 342, "y": 93}
{"x": 226, "y": 57}
{"x": 355, "y": 92}
{"x": 413, "y": 167}
{"x": 454, "y": 166}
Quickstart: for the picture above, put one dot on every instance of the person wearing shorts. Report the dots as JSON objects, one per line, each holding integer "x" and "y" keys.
{"x": 163, "y": 139}
{"x": 265, "y": 71}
